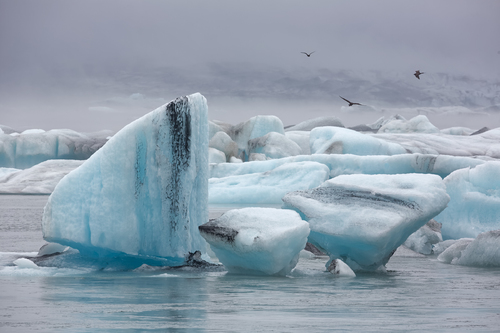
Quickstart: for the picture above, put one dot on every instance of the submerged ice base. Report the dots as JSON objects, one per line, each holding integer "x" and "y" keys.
{"x": 143, "y": 194}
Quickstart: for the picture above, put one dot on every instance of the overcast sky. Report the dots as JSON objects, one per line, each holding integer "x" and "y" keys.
{"x": 90, "y": 65}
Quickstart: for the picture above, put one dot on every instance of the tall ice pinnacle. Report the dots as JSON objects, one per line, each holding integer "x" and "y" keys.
{"x": 144, "y": 193}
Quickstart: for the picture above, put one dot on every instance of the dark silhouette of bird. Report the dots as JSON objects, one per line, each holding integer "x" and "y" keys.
{"x": 350, "y": 103}
{"x": 417, "y": 74}
{"x": 308, "y": 54}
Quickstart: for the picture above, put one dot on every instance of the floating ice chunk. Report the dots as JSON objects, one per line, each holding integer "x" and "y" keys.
{"x": 405, "y": 252}
{"x": 51, "y": 248}
{"x": 216, "y": 156}
{"x": 235, "y": 160}
{"x": 475, "y": 201}
{"x": 273, "y": 145}
{"x": 336, "y": 140}
{"x": 256, "y": 127}
{"x": 423, "y": 239}
{"x": 338, "y": 267}
{"x": 486, "y": 145}
{"x": 420, "y": 124}
{"x": 351, "y": 164}
{"x": 439, "y": 248}
{"x": 143, "y": 194}
{"x": 362, "y": 219}
{"x": 39, "y": 179}
{"x": 35, "y": 146}
{"x": 454, "y": 251}
{"x": 315, "y": 122}
{"x": 483, "y": 251}
{"x": 301, "y": 138}
{"x": 224, "y": 143}
{"x": 267, "y": 187}
{"x": 384, "y": 120}
{"x": 25, "y": 263}
{"x": 457, "y": 131}
{"x": 257, "y": 240}
{"x": 257, "y": 157}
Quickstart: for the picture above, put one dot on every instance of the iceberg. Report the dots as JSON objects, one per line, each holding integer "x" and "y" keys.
{"x": 337, "y": 140}
{"x": 257, "y": 241}
{"x": 363, "y": 219}
{"x": 267, "y": 187}
{"x": 274, "y": 145}
{"x": 418, "y": 124}
{"x": 309, "y": 124}
{"x": 485, "y": 145}
{"x": 483, "y": 251}
{"x": 475, "y": 201}
{"x": 31, "y": 147}
{"x": 253, "y": 128}
{"x": 223, "y": 142}
{"x": 39, "y": 179}
{"x": 143, "y": 194}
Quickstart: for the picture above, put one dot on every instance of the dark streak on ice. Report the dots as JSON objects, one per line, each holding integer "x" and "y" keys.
{"x": 179, "y": 124}
{"x": 345, "y": 196}
{"x": 211, "y": 228}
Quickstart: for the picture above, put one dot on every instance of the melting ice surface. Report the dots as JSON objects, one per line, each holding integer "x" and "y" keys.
{"x": 143, "y": 194}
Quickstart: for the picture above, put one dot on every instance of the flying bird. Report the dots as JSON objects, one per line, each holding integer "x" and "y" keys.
{"x": 350, "y": 103}
{"x": 308, "y": 54}
{"x": 417, "y": 74}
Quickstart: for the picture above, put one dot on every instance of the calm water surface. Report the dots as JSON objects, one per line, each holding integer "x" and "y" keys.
{"x": 417, "y": 294}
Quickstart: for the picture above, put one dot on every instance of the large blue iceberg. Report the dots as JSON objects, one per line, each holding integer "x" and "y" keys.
{"x": 143, "y": 194}
{"x": 363, "y": 219}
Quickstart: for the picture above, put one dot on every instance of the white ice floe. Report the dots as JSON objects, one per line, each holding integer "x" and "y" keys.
{"x": 39, "y": 179}
{"x": 483, "y": 251}
{"x": 336, "y": 140}
{"x": 339, "y": 268}
{"x": 262, "y": 241}
{"x": 485, "y": 145}
{"x": 362, "y": 219}
{"x": 31, "y": 147}
{"x": 309, "y": 124}
{"x": 418, "y": 124}
{"x": 143, "y": 194}
{"x": 25, "y": 263}
{"x": 268, "y": 186}
{"x": 475, "y": 201}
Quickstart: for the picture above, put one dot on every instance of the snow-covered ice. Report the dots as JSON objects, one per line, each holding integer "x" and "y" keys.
{"x": 274, "y": 145}
{"x": 143, "y": 194}
{"x": 475, "y": 201}
{"x": 262, "y": 241}
{"x": 362, "y": 219}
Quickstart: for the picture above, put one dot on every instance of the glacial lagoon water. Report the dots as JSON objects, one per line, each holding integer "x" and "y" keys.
{"x": 417, "y": 294}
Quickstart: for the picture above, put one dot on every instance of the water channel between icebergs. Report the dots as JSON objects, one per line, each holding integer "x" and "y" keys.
{"x": 416, "y": 294}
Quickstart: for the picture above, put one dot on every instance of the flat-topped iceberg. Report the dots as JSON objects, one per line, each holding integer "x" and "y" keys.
{"x": 143, "y": 194}
{"x": 475, "y": 201}
{"x": 258, "y": 241}
{"x": 363, "y": 219}
{"x": 267, "y": 187}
